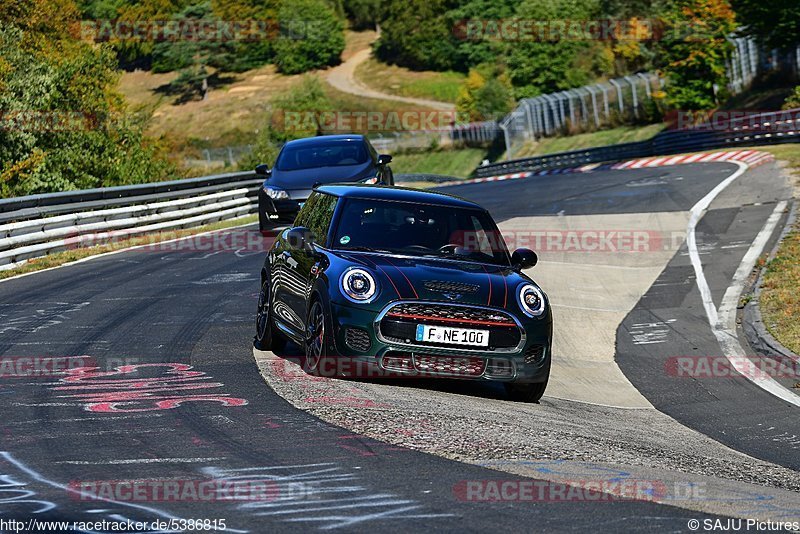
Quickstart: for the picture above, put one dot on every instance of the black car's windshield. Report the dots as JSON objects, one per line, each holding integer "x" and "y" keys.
{"x": 335, "y": 153}
{"x": 420, "y": 230}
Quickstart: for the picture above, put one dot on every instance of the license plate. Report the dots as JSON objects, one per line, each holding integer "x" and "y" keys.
{"x": 452, "y": 336}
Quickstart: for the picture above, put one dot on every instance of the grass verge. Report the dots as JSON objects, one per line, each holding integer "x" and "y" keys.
{"x": 68, "y": 256}
{"x": 394, "y": 80}
{"x": 780, "y": 299}
{"x": 622, "y": 134}
{"x": 449, "y": 162}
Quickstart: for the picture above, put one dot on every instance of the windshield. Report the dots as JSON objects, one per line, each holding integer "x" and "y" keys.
{"x": 420, "y": 230}
{"x": 322, "y": 154}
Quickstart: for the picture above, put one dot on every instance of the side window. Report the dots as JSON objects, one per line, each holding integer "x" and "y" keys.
{"x": 302, "y": 217}
{"x": 480, "y": 241}
{"x": 319, "y": 215}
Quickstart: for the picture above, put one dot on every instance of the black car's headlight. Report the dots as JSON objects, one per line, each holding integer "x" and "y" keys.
{"x": 531, "y": 300}
{"x": 358, "y": 285}
{"x": 275, "y": 193}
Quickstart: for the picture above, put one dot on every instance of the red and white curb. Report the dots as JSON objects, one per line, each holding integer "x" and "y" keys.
{"x": 751, "y": 157}
{"x": 525, "y": 174}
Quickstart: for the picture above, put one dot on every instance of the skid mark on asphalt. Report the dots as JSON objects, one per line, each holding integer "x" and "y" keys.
{"x": 323, "y": 494}
{"x": 42, "y": 496}
{"x": 39, "y": 320}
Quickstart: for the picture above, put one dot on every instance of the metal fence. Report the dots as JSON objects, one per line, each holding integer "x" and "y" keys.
{"x": 37, "y": 225}
{"x": 754, "y": 130}
{"x": 471, "y": 134}
{"x": 593, "y": 106}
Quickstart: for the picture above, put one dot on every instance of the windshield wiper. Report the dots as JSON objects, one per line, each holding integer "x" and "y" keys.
{"x": 366, "y": 249}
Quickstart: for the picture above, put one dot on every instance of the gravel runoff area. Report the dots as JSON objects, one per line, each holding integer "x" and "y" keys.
{"x": 557, "y": 440}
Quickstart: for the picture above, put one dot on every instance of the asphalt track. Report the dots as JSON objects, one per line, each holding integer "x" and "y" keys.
{"x": 187, "y": 311}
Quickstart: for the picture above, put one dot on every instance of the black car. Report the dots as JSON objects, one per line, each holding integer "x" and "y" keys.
{"x": 409, "y": 283}
{"x": 303, "y": 164}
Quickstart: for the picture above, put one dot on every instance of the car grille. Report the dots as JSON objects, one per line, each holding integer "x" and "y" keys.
{"x": 448, "y": 365}
{"x": 534, "y": 354}
{"x": 444, "y": 313}
{"x": 399, "y": 324}
{"x": 449, "y": 287}
{"x": 357, "y": 339}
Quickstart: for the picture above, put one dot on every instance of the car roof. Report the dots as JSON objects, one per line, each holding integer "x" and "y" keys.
{"x": 325, "y": 138}
{"x": 397, "y": 194}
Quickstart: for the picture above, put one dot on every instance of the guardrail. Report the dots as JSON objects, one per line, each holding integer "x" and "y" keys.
{"x": 37, "y": 225}
{"x": 753, "y": 130}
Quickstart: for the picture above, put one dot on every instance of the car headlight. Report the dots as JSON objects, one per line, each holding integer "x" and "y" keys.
{"x": 531, "y": 300}
{"x": 275, "y": 193}
{"x": 358, "y": 285}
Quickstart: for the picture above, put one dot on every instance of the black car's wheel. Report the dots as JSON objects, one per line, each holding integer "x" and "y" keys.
{"x": 267, "y": 338}
{"x": 316, "y": 336}
{"x": 526, "y": 392}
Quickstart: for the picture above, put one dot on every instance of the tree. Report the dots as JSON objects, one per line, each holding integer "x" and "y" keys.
{"x": 416, "y": 34}
{"x": 486, "y": 94}
{"x": 311, "y": 36}
{"x": 63, "y": 125}
{"x": 363, "y": 14}
{"x": 776, "y": 23}
{"x": 299, "y": 112}
{"x": 554, "y": 61}
{"x": 695, "y": 63}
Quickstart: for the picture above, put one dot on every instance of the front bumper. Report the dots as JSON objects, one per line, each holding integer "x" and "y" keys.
{"x": 359, "y": 337}
{"x": 278, "y": 209}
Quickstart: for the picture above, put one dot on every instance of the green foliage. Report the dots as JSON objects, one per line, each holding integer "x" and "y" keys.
{"x": 775, "y": 23}
{"x": 695, "y": 65}
{"x": 542, "y": 66}
{"x": 312, "y": 36}
{"x": 63, "y": 126}
{"x": 793, "y": 101}
{"x": 485, "y": 94}
{"x": 363, "y": 14}
{"x": 473, "y": 47}
{"x": 297, "y": 113}
{"x": 416, "y": 34}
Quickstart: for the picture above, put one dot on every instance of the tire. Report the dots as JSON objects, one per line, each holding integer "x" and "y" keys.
{"x": 317, "y": 336}
{"x": 526, "y": 392}
{"x": 267, "y": 336}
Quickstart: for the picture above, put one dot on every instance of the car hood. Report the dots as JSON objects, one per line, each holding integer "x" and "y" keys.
{"x": 431, "y": 279}
{"x": 303, "y": 180}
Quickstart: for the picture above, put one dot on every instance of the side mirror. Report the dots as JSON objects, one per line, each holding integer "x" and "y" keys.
{"x": 263, "y": 170}
{"x": 524, "y": 258}
{"x": 383, "y": 159}
{"x": 300, "y": 238}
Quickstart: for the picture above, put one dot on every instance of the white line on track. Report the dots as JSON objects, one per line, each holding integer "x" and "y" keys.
{"x": 143, "y": 461}
{"x": 723, "y": 321}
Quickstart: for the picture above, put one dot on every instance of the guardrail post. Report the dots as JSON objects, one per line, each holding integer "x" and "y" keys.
{"x": 618, "y": 87}
{"x": 632, "y": 82}
{"x": 594, "y": 105}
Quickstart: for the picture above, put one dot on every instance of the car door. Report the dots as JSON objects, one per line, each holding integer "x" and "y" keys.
{"x": 301, "y": 264}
